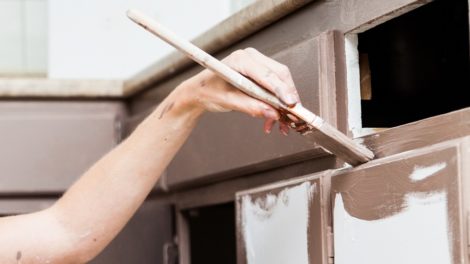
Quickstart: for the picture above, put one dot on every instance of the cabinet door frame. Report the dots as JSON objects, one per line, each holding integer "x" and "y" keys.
{"x": 457, "y": 188}
{"x": 318, "y": 220}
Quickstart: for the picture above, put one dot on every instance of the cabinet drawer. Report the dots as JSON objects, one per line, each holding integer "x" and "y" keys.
{"x": 286, "y": 222}
{"x": 46, "y": 146}
{"x": 230, "y": 144}
{"x": 404, "y": 209}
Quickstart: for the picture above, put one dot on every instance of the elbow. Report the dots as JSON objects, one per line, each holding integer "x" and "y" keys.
{"x": 74, "y": 244}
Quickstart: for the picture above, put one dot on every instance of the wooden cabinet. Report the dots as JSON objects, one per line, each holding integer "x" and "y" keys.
{"x": 285, "y": 222}
{"x": 225, "y": 145}
{"x": 407, "y": 207}
{"x": 46, "y": 146}
{"x": 146, "y": 239}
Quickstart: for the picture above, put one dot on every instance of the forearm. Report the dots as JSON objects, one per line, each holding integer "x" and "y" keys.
{"x": 99, "y": 204}
{"x": 118, "y": 184}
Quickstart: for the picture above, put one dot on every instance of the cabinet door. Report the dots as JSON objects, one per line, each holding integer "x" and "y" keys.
{"x": 46, "y": 146}
{"x": 145, "y": 239}
{"x": 284, "y": 223}
{"x": 224, "y": 146}
{"x": 407, "y": 208}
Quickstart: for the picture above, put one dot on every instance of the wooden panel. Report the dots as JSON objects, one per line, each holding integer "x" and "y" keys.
{"x": 405, "y": 208}
{"x": 235, "y": 143}
{"x": 14, "y": 206}
{"x": 285, "y": 222}
{"x": 419, "y": 134}
{"x": 47, "y": 145}
{"x": 143, "y": 239}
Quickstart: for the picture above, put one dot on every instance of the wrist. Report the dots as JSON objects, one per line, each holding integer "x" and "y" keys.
{"x": 189, "y": 101}
{"x": 181, "y": 103}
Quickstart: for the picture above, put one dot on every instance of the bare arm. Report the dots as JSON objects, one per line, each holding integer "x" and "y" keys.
{"x": 99, "y": 204}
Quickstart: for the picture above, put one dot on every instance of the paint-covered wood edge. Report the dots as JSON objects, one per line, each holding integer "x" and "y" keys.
{"x": 464, "y": 152}
{"x": 182, "y": 230}
{"x": 61, "y": 88}
{"x": 236, "y": 27}
{"x": 460, "y": 146}
{"x": 317, "y": 231}
{"x": 418, "y": 134}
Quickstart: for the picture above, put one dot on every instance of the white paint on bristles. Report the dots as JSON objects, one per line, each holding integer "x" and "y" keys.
{"x": 422, "y": 172}
{"x": 275, "y": 226}
{"x": 353, "y": 84}
{"x": 418, "y": 234}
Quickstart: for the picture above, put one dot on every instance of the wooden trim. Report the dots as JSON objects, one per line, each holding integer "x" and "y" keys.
{"x": 465, "y": 195}
{"x": 14, "y": 206}
{"x": 222, "y": 192}
{"x": 419, "y": 134}
{"x": 327, "y": 77}
{"x": 183, "y": 238}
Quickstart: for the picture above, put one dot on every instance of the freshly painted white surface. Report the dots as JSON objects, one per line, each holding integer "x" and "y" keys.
{"x": 418, "y": 234}
{"x": 353, "y": 84}
{"x": 422, "y": 172}
{"x": 275, "y": 226}
{"x": 94, "y": 39}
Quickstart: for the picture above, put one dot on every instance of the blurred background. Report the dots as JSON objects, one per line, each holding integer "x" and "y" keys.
{"x": 93, "y": 39}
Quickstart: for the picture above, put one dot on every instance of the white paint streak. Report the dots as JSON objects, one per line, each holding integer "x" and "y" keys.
{"x": 420, "y": 172}
{"x": 353, "y": 83}
{"x": 418, "y": 234}
{"x": 275, "y": 227}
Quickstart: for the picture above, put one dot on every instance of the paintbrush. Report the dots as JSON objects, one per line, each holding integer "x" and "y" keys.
{"x": 318, "y": 130}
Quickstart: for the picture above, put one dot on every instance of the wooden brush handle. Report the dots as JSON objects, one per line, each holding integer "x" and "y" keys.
{"x": 206, "y": 60}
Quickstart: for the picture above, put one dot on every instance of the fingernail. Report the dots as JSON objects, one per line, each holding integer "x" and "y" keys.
{"x": 270, "y": 114}
{"x": 290, "y": 99}
{"x": 267, "y": 131}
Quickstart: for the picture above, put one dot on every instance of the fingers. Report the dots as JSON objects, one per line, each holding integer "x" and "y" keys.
{"x": 268, "y": 125}
{"x": 256, "y": 69}
{"x": 236, "y": 100}
{"x": 283, "y": 128}
{"x": 281, "y": 70}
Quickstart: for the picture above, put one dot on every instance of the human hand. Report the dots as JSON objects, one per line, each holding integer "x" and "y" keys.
{"x": 211, "y": 93}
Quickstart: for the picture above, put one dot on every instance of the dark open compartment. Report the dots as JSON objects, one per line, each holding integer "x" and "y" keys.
{"x": 212, "y": 234}
{"x": 419, "y": 65}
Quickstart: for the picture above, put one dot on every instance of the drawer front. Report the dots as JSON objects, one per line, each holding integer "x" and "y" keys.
{"x": 230, "y": 144}
{"x": 404, "y": 209}
{"x": 46, "y": 146}
{"x": 284, "y": 222}
{"x": 146, "y": 238}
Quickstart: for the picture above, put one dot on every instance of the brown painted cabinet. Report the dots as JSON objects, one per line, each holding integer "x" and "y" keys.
{"x": 224, "y": 145}
{"x": 410, "y": 207}
{"x": 46, "y": 146}
{"x": 284, "y": 222}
